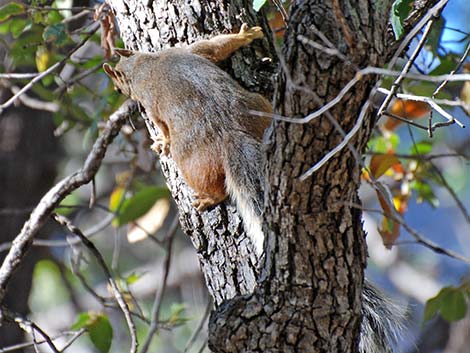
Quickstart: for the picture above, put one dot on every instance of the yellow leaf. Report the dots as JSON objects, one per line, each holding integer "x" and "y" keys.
{"x": 116, "y": 197}
{"x": 43, "y": 58}
{"x": 379, "y": 164}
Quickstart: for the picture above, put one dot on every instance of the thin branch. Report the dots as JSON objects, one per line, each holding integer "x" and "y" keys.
{"x": 112, "y": 283}
{"x": 159, "y": 295}
{"x": 341, "y": 145}
{"x": 35, "y": 103}
{"x": 19, "y": 76}
{"x": 199, "y": 327}
{"x": 433, "y": 12}
{"x": 49, "y": 70}
{"x": 19, "y": 346}
{"x": 427, "y": 157}
{"x": 451, "y": 191}
{"x": 415, "y": 234}
{"x": 405, "y": 120}
{"x": 55, "y": 195}
{"x": 457, "y": 68}
{"x": 405, "y": 70}
{"x": 356, "y": 79}
{"x": 27, "y": 326}
{"x": 431, "y": 103}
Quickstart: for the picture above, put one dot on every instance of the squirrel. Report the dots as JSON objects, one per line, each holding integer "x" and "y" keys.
{"x": 204, "y": 116}
{"x": 205, "y": 120}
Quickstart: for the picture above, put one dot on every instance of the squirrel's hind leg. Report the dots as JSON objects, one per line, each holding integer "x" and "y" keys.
{"x": 222, "y": 46}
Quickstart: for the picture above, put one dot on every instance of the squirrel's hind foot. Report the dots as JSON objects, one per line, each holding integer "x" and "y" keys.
{"x": 202, "y": 203}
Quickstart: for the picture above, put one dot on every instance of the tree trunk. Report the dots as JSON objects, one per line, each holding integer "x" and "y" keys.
{"x": 226, "y": 255}
{"x": 307, "y": 297}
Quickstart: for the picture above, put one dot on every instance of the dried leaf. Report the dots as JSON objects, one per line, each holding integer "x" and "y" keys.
{"x": 379, "y": 164}
{"x": 407, "y": 109}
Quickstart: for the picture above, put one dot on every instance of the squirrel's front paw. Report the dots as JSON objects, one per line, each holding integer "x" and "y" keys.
{"x": 251, "y": 33}
{"x": 161, "y": 145}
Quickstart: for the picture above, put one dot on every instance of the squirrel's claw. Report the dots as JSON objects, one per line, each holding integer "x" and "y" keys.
{"x": 161, "y": 145}
{"x": 251, "y": 33}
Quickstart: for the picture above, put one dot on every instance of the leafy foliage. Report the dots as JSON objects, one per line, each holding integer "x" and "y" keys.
{"x": 99, "y": 329}
{"x": 450, "y": 303}
{"x": 131, "y": 208}
{"x": 400, "y": 11}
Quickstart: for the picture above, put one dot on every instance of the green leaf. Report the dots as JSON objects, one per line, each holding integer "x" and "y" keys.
{"x": 101, "y": 333}
{"x": 453, "y": 305}
{"x": 433, "y": 305}
{"x": 98, "y": 327}
{"x": 420, "y": 148}
{"x": 11, "y": 9}
{"x": 139, "y": 204}
{"x": 381, "y": 144}
{"x": 133, "y": 277}
{"x": 70, "y": 200}
{"x": 82, "y": 321}
{"x": 54, "y": 17}
{"x": 425, "y": 193}
{"x": 258, "y": 4}
{"x": 55, "y": 33}
{"x": 434, "y": 38}
{"x": 17, "y": 26}
{"x": 400, "y": 11}
{"x": 447, "y": 64}
{"x": 449, "y": 302}
{"x": 176, "y": 314}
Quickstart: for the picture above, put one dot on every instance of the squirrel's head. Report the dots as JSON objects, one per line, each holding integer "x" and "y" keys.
{"x": 122, "y": 73}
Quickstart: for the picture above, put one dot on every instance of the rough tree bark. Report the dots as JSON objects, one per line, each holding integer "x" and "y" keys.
{"x": 226, "y": 255}
{"x": 308, "y": 295}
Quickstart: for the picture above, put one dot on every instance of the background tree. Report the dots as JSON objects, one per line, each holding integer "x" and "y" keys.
{"x": 327, "y": 47}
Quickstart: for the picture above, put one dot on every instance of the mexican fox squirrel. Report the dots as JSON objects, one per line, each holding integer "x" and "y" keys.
{"x": 204, "y": 118}
{"x": 206, "y": 125}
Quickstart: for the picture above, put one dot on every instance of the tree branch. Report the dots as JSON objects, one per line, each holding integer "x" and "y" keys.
{"x": 54, "y": 196}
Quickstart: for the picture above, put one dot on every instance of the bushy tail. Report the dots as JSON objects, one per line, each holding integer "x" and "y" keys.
{"x": 243, "y": 174}
{"x": 382, "y": 321}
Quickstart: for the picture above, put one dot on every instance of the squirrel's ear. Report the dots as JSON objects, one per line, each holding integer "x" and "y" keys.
{"x": 123, "y": 52}
{"x": 109, "y": 70}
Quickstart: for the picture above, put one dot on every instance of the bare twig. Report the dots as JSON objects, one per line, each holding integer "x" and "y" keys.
{"x": 35, "y": 103}
{"x": 199, "y": 327}
{"x": 19, "y": 76}
{"x": 112, "y": 283}
{"x": 433, "y": 12}
{"x": 19, "y": 346}
{"x": 54, "y": 196}
{"x": 48, "y": 71}
{"x": 28, "y": 326}
{"x": 405, "y": 70}
{"x": 159, "y": 295}
{"x": 415, "y": 234}
{"x": 431, "y": 103}
{"x": 341, "y": 145}
{"x": 457, "y": 68}
{"x": 356, "y": 79}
